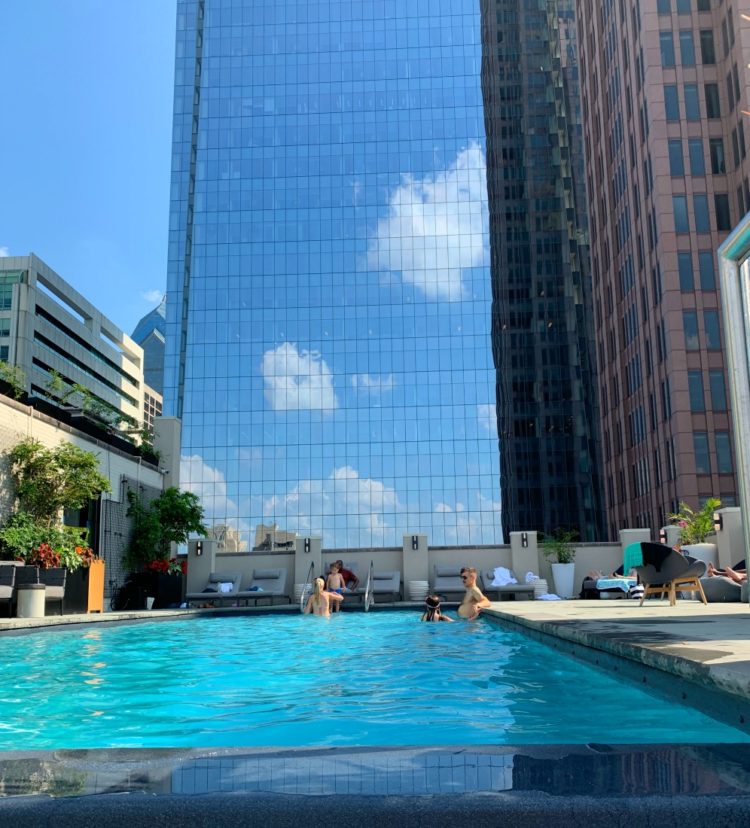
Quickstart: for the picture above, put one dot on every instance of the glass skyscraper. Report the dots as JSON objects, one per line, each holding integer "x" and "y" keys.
{"x": 329, "y": 291}
{"x": 541, "y": 322}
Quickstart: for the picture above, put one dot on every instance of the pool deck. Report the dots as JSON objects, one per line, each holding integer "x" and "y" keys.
{"x": 701, "y": 648}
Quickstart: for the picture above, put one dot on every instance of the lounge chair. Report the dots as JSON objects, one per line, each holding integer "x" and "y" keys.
{"x": 8, "y": 585}
{"x": 667, "y": 572}
{"x": 387, "y": 583}
{"x": 720, "y": 589}
{"x": 213, "y": 591}
{"x": 507, "y": 592}
{"x": 265, "y": 583}
{"x": 447, "y": 583}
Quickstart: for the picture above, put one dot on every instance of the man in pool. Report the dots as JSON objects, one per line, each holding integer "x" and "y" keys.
{"x": 474, "y": 599}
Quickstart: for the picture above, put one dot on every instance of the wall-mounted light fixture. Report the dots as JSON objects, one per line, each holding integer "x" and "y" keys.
{"x": 662, "y": 535}
{"x": 718, "y": 521}
{"x": 307, "y": 545}
{"x": 198, "y": 548}
{"x": 415, "y": 542}
{"x": 524, "y": 539}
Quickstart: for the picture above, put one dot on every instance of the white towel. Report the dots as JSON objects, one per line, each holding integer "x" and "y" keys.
{"x": 549, "y": 596}
{"x": 225, "y": 586}
{"x": 503, "y": 577}
{"x": 531, "y": 577}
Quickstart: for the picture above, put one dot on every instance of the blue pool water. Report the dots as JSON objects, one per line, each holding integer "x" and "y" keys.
{"x": 354, "y": 679}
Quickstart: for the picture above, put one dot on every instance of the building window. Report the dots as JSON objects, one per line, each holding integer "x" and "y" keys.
{"x": 692, "y": 106}
{"x": 679, "y": 208}
{"x": 676, "y": 161}
{"x": 716, "y": 151}
{"x": 685, "y": 269}
{"x": 700, "y": 211}
{"x": 687, "y": 48}
{"x": 704, "y": 5}
{"x": 718, "y": 389}
{"x": 711, "y": 325}
{"x": 690, "y": 327}
{"x": 664, "y": 6}
{"x": 671, "y": 103}
{"x": 723, "y": 453}
{"x": 708, "y": 52}
{"x": 666, "y": 44}
{"x": 707, "y": 269}
{"x": 713, "y": 106}
{"x": 4, "y": 351}
{"x": 702, "y": 457}
{"x": 697, "y": 159}
{"x": 683, "y": 6}
{"x": 721, "y": 205}
{"x": 4, "y": 327}
{"x": 695, "y": 387}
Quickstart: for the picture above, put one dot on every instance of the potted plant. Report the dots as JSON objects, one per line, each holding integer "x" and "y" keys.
{"x": 169, "y": 518}
{"x": 559, "y": 546}
{"x": 695, "y": 527}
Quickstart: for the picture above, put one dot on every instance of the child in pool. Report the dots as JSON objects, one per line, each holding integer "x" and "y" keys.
{"x": 432, "y": 611}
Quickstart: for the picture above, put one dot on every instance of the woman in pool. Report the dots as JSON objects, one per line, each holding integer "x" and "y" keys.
{"x": 432, "y": 611}
{"x": 319, "y": 603}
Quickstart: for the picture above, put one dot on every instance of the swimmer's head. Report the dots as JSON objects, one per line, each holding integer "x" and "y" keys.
{"x": 432, "y": 602}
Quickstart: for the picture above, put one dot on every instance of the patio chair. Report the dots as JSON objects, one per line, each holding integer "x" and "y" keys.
{"x": 387, "y": 583}
{"x": 666, "y": 571}
{"x": 447, "y": 583}
{"x": 213, "y": 591}
{"x": 54, "y": 579}
{"x": 8, "y": 585}
{"x": 506, "y": 592}
{"x": 265, "y": 583}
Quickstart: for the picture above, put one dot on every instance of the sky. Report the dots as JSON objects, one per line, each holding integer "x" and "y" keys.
{"x": 85, "y": 143}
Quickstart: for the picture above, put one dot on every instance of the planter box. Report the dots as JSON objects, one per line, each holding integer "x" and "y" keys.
{"x": 166, "y": 590}
{"x": 84, "y": 589}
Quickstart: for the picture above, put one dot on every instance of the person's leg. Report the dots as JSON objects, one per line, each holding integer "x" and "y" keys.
{"x": 737, "y": 577}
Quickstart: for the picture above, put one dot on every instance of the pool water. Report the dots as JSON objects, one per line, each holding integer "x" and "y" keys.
{"x": 354, "y": 679}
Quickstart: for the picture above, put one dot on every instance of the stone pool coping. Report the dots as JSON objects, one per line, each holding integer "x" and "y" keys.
{"x": 707, "y": 645}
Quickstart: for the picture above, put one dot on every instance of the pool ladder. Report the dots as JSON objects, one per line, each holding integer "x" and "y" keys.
{"x": 303, "y": 598}
{"x": 369, "y": 597}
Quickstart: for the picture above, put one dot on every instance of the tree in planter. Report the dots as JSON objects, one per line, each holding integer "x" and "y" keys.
{"x": 560, "y": 545}
{"x": 48, "y": 480}
{"x": 168, "y": 519}
{"x": 696, "y": 526}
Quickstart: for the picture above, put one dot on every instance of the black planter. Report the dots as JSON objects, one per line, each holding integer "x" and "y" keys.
{"x": 77, "y": 591}
{"x": 166, "y": 590}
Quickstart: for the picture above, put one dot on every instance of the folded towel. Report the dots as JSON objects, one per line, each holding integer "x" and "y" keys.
{"x": 549, "y": 596}
{"x": 225, "y": 586}
{"x": 531, "y": 577}
{"x": 503, "y": 577}
{"x": 255, "y": 589}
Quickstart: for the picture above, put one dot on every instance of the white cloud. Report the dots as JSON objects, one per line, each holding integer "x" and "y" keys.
{"x": 4, "y": 251}
{"x": 297, "y": 379}
{"x": 365, "y": 503}
{"x": 208, "y": 483}
{"x": 436, "y": 227}
{"x": 487, "y": 417}
{"x": 443, "y": 507}
{"x": 375, "y": 385}
{"x": 153, "y": 296}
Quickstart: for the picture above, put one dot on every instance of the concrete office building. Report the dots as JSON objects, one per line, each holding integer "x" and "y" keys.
{"x": 67, "y": 349}
{"x": 542, "y": 331}
{"x": 664, "y": 86}
{"x": 329, "y": 296}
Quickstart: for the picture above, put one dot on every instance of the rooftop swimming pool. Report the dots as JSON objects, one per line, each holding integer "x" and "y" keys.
{"x": 355, "y": 679}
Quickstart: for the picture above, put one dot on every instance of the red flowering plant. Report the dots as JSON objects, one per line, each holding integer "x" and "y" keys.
{"x": 44, "y": 556}
{"x": 174, "y": 566}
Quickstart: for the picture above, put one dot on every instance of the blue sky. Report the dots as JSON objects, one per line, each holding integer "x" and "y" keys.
{"x": 85, "y": 144}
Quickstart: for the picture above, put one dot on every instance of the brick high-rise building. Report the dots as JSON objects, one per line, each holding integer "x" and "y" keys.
{"x": 663, "y": 86}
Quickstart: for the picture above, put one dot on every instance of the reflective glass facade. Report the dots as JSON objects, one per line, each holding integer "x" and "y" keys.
{"x": 541, "y": 320}
{"x": 329, "y": 293}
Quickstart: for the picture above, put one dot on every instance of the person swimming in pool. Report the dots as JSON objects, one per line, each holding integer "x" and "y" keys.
{"x": 432, "y": 611}
{"x": 319, "y": 603}
{"x": 474, "y": 599}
